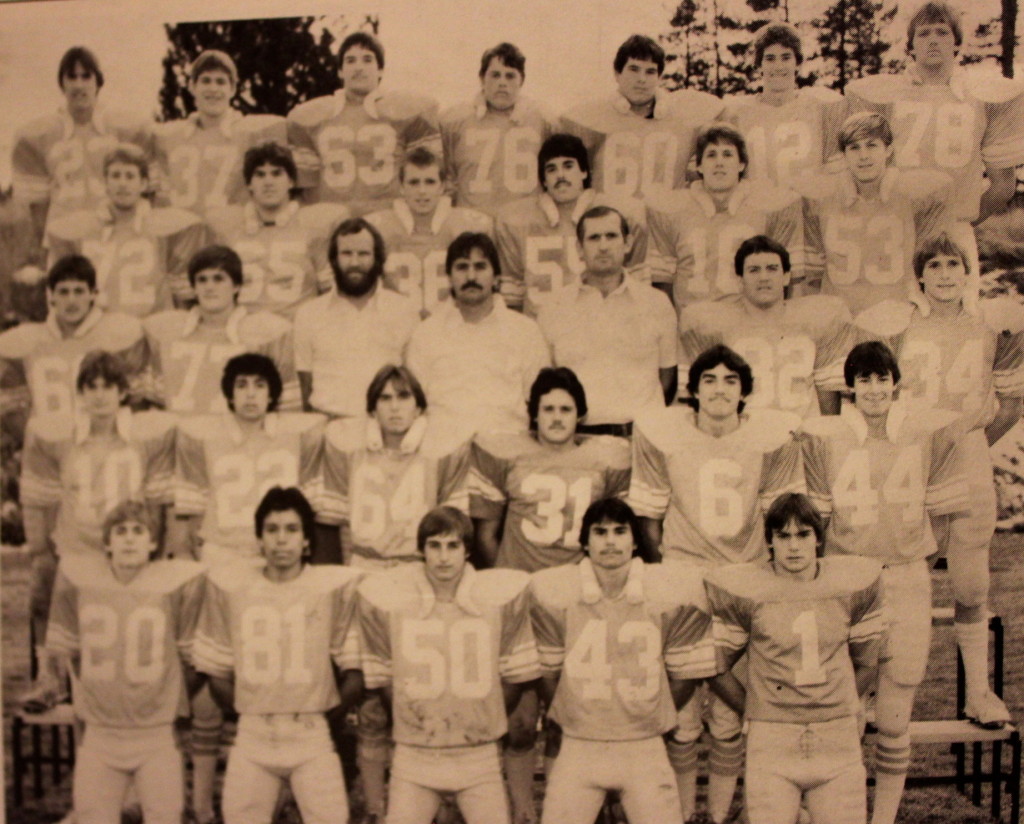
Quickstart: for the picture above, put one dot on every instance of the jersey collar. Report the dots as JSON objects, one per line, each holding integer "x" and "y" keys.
{"x": 253, "y": 223}
{"x": 463, "y": 593}
{"x": 370, "y": 102}
{"x": 122, "y": 425}
{"x": 590, "y": 589}
{"x": 480, "y": 110}
{"x": 622, "y": 106}
{"x": 271, "y": 424}
{"x": 231, "y": 329}
{"x": 99, "y": 123}
{"x": 410, "y": 443}
{"x": 957, "y": 81}
{"x": 226, "y": 126}
{"x": 405, "y": 216}
{"x": 707, "y": 203}
{"x": 83, "y": 328}
{"x": 105, "y": 213}
{"x": 849, "y": 195}
{"x": 550, "y": 208}
{"x": 893, "y": 424}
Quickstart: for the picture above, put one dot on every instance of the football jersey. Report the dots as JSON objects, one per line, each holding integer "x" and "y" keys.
{"x": 221, "y": 474}
{"x": 957, "y": 128}
{"x": 542, "y": 493}
{"x": 202, "y": 167}
{"x": 284, "y": 265}
{"x": 614, "y": 656}
{"x": 85, "y": 477}
{"x": 415, "y": 261}
{"x": 633, "y": 156}
{"x": 187, "y": 358}
{"x": 793, "y": 352}
{"x": 712, "y": 492}
{"x": 57, "y": 162}
{"x": 278, "y": 640}
{"x": 878, "y": 492}
{"x": 47, "y": 363}
{"x": 961, "y": 364}
{"x": 865, "y": 248}
{"x": 446, "y": 661}
{"x": 383, "y": 494}
{"x": 361, "y": 146}
{"x": 803, "y": 638}
{"x": 538, "y": 251}
{"x": 698, "y": 242}
{"x": 491, "y": 157}
{"x": 129, "y": 639}
{"x": 140, "y": 265}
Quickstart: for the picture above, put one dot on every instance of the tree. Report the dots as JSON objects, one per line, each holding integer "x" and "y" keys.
{"x": 1008, "y": 35}
{"x": 851, "y": 40}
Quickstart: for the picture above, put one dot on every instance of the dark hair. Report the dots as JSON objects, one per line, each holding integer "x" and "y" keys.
{"x": 466, "y": 243}
{"x": 367, "y": 41}
{"x": 870, "y": 358}
{"x": 72, "y": 267}
{"x": 285, "y": 499}
{"x": 935, "y": 12}
{"x": 507, "y": 54}
{"x": 564, "y": 145}
{"x": 863, "y": 125}
{"x": 219, "y": 257}
{"x": 639, "y": 47}
{"x": 777, "y": 34}
{"x": 601, "y": 211}
{"x": 720, "y": 133}
{"x": 548, "y": 379}
{"x": 251, "y": 363}
{"x": 269, "y": 153}
{"x": 353, "y": 226}
{"x": 130, "y": 154}
{"x": 105, "y": 365}
{"x": 82, "y": 57}
{"x": 941, "y": 244}
{"x": 615, "y": 510}
{"x": 213, "y": 60}
{"x": 760, "y": 245}
{"x": 402, "y": 377}
{"x": 421, "y": 157}
{"x": 712, "y": 357}
{"x": 445, "y": 520}
{"x": 793, "y": 506}
{"x": 130, "y": 510}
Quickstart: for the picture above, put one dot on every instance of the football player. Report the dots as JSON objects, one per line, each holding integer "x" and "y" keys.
{"x": 451, "y": 647}
{"x": 200, "y": 156}
{"x": 536, "y": 235}
{"x": 620, "y": 644}
{"x": 418, "y": 228}
{"x": 697, "y": 231}
{"x": 814, "y": 631}
{"x": 283, "y": 245}
{"x": 188, "y": 349}
{"x": 140, "y": 253}
{"x": 973, "y": 367}
{"x": 795, "y": 346}
{"x": 277, "y": 642}
{"x": 700, "y": 482}
{"x": 490, "y": 143}
{"x": 880, "y": 472}
{"x": 350, "y": 144}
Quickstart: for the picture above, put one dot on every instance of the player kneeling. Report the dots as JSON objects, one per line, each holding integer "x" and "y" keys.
{"x": 451, "y": 647}
{"x": 620, "y": 644}
{"x": 276, "y": 644}
{"x": 813, "y": 630}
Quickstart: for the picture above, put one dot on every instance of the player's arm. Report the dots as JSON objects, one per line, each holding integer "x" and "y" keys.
{"x": 222, "y": 688}
{"x": 682, "y": 690}
{"x": 182, "y": 536}
{"x": 306, "y": 389}
{"x": 488, "y": 537}
{"x": 194, "y": 679}
{"x": 350, "y": 686}
{"x": 1002, "y": 184}
{"x": 669, "y": 379}
{"x": 651, "y": 531}
{"x": 512, "y": 693}
{"x": 729, "y": 688}
{"x": 828, "y": 401}
{"x": 1005, "y": 419}
{"x": 39, "y": 523}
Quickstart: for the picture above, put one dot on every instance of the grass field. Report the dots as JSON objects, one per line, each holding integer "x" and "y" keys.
{"x": 936, "y": 699}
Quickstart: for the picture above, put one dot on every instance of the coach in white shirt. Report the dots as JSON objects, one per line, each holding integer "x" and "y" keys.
{"x": 343, "y": 337}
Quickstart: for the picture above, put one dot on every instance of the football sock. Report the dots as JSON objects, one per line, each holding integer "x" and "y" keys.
{"x": 372, "y": 762}
{"x": 973, "y": 642}
{"x": 892, "y": 759}
{"x": 519, "y": 765}
{"x": 725, "y": 763}
{"x": 683, "y": 758}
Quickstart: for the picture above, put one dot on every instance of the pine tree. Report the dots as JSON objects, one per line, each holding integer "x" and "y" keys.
{"x": 851, "y": 40}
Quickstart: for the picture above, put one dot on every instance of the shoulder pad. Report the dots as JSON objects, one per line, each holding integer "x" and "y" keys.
{"x": 51, "y": 426}
{"x": 170, "y": 130}
{"x": 165, "y": 325}
{"x": 167, "y": 574}
{"x": 557, "y": 586}
{"x": 234, "y": 577}
{"x": 878, "y": 88}
{"x": 739, "y": 579}
{"x": 167, "y": 221}
{"x": 531, "y": 106}
{"x": 930, "y": 420}
{"x": 455, "y": 114}
{"x": 666, "y": 427}
{"x": 122, "y": 119}
{"x": 403, "y": 105}
{"x": 314, "y": 111}
{"x": 21, "y": 341}
{"x": 851, "y": 572}
{"x": 74, "y": 226}
{"x": 522, "y": 210}
{"x": 327, "y": 577}
{"x": 380, "y": 218}
{"x": 38, "y": 127}
{"x": 820, "y": 94}
{"x": 920, "y": 183}
{"x": 771, "y": 428}
{"x": 992, "y": 88}
{"x": 392, "y": 589}
{"x": 260, "y": 327}
{"x": 821, "y": 310}
{"x": 815, "y": 185}
{"x": 694, "y": 105}
{"x": 119, "y": 331}
{"x": 704, "y": 314}
{"x": 825, "y": 426}
{"x": 322, "y": 215}
{"x": 591, "y": 113}
{"x": 469, "y": 220}
{"x": 151, "y": 423}
{"x": 203, "y": 427}
{"x": 887, "y": 318}
{"x": 506, "y": 445}
{"x": 496, "y": 587}
{"x": 346, "y": 434}
{"x": 1002, "y": 314}
{"x": 675, "y": 583}
{"x": 225, "y": 218}
{"x": 611, "y": 451}
{"x": 254, "y": 124}
{"x": 771, "y": 198}
{"x": 672, "y": 202}
{"x": 632, "y": 208}
{"x": 443, "y": 438}
{"x": 295, "y": 422}
{"x": 85, "y": 568}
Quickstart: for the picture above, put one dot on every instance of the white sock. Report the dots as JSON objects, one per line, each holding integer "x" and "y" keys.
{"x": 973, "y": 642}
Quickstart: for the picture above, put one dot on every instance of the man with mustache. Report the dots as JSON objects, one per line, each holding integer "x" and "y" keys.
{"x": 343, "y": 337}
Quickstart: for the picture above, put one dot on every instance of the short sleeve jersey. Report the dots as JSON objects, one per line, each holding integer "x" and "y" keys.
{"x": 699, "y": 242}
{"x": 140, "y": 266}
{"x": 878, "y": 492}
{"x": 129, "y": 639}
{"x": 361, "y": 145}
{"x": 792, "y": 353}
{"x": 222, "y": 474}
{"x": 614, "y": 656}
{"x": 202, "y": 166}
{"x": 383, "y": 494}
{"x": 415, "y": 261}
{"x": 957, "y": 128}
{"x": 285, "y": 264}
{"x": 85, "y": 478}
{"x": 446, "y": 661}
{"x": 803, "y": 638}
{"x": 188, "y": 357}
{"x": 542, "y": 493}
{"x": 491, "y": 156}
{"x": 279, "y": 640}
{"x": 712, "y": 492}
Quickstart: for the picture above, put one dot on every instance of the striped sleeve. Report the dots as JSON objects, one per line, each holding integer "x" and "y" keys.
{"x": 62, "y": 631}
{"x": 211, "y": 650}
{"x": 345, "y": 650}
{"x": 336, "y": 460}
{"x": 453, "y": 479}
{"x": 188, "y": 602}
{"x": 781, "y": 472}
{"x": 281, "y": 350}
{"x": 374, "y": 629}
{"x": 831, "y": 349}
{"x": 30, "y": 174}
{"x": 517, "y": 650}
{"x": 689, "y": 646}
{"x": 731, "y": 620}
{"x": 649, "y": 488}
{"x": 549, "y": 633}
{"x": 311, "y": 461}
{"x": 868, "y": 628}
{"x": 488, "y": 474}
{"x": 947, "y": 489}
{"x": 786, "y": 225}
{"x": 40, "y": 471}
{"x": 1008, "y": 369}
{"x": 191, "y": 478}
{"x": 159, "y": 452}
{"x": 814, "y": 452}
{"x": 694, "y": 336}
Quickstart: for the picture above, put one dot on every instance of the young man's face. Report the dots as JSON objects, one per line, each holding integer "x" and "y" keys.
{"x": 71, "y": 300}
{"x": 873, "y": 394}
{"x": 80, "y": 88}
{"x": 638, "y": 81}
{"x": 215, "y": 290}
{"x": 501, "y": 85}
{"x": 213, "y": 91}
{"x": 472, "y": 279}
{"x": 355, "y": 259}
{"x": 610, "y": 545}
{"x": 250, "y": 397}
{"x": 719, "y": 392}
{"x": 866, "y": 158}
{"x": 125, "y": 184}
{"x": 396, "y": 409}
{"x": 422, "y": 188}
{"x": 556, "y": 418}
{"x": 934, "y": 46}
{"x": 764, "y": 279}
{"x": 778, "y": 68}
{"x": 100, "y": 399}
{"x": 720, "y": 167}
{"x": 359, "y": 71}
{"x": 795, "y": 548}
{"x": 444, "y": 558}
{"x": 604, "y": 248}
{"x": 130, "y": 544}
{"x": 944, "y": 278}
{"x": 270, "y": 186}
{"x": 564, "y": 180}
{"x": 283, "y": 541}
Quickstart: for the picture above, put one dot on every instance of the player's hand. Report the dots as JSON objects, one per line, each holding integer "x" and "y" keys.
{"x": 512, "y": 291}
{"x": 45, "y": 694}
{"x": 306, "y": 160}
